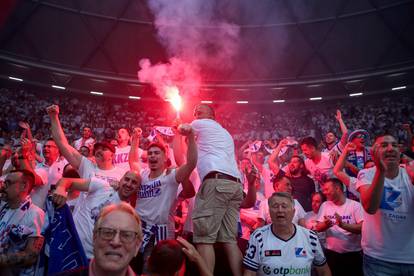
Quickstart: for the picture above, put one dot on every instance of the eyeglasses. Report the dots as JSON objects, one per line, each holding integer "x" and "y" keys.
{"x": 109, "y": 234}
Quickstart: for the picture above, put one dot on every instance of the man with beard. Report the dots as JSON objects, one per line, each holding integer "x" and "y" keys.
{"x": 53, "y": 164}
{"x": 20, "y": 225}
{"x": 100, "y": 193}
{"x": 303, "y": 186}
{"x": 387, "y": 196}
{"x": 85, "y": 140}
{"x": 102, "y": 151}
{"x": 319, "y": 164}
{"x": 341, "y": 220}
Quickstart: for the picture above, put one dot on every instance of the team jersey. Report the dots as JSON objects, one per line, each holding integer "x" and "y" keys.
{"x": 264, "y": 213}
{"x": 267, "y": 254}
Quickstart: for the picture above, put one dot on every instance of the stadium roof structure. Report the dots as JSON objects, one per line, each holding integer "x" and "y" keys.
{"x": 289, "y": 50}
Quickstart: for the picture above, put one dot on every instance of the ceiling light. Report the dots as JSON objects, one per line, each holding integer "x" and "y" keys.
{"x": 315, "y": 98}
{"x": 96, "y": 93}
{"x": 134, "y": 97}
{"x": 278, "y": 101}
{"x": 59, "y": 87}
{"x": 398, "y": 88}
{"x": 355, "y": 94}
{"x": 207, "y": 102}
{"x": 16, "y": 79}
{"x": 242, "y": 102}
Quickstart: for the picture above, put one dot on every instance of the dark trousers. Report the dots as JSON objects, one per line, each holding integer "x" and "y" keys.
{"x": 349, "y": 263}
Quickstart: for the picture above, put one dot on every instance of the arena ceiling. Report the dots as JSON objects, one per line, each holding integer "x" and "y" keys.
{"x": 290, "y": 50}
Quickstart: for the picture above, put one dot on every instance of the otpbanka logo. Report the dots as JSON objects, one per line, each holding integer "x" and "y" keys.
{"x": 285, "y": 270}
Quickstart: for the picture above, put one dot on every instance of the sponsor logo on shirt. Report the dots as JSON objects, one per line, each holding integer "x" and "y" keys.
{"x": 391, "y": 199}
{"x": 285, "y": 270}
{"x": 150, "y": 190}
{"x": 271, "y": 253}
{"x": 300, "y": 252}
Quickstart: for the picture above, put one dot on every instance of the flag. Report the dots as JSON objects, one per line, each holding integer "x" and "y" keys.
{"x": 63, "y": 250}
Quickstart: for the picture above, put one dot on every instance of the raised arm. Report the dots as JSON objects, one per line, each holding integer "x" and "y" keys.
{"x": 344, "y": 129}
{"x": 134, "y": 158}
{"x": 178, "y": 149}
{"x": 25, "y": 156}
{"x": 185, "y": 170}
{"x": 250, "y": 199}
{"x": 60, "y": 195}
{"x": 340, "y": 165}
{"x": 371, "y": 194}
{"x": 70, "y": 153}
{"x": 273, "y": 160}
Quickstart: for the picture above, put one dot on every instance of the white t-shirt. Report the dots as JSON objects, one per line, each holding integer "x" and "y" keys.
{"x": 50, "y": 176}
{"x": 267, "y": 254}
{"x": 311, "y": 220}
{"x": 87, "y": 169}
{"x": 121, "y": 157}
{"x": 265, "y": 214}
{"x": 252, "y": 213}
{"x": 215, "y": 148}
{"x": 99, "y": 195}
{"x": 39, "y": 193}
{"x": 16, "y": 226}
{"x": 338, "y": 239}
{"x": 157, "y": 200}
{"x": 388, "y": 234}
{"x": 88, "y": 142}
{"x": 321, "y": 171}
{"x": 188, "y": 225}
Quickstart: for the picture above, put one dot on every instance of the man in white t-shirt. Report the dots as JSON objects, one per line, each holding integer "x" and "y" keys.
{"x": 157, "y": 196}
{"x": 282, "y": 184}
{"x": 217, "y": 203}
{"x": 331, "y": 141}
{"x": 86, "y": 139}
{"x": 319, "y": 164}
{"x": 122, "y": 149}
{"x": 387, "y": 195}
{"x": 341, "y": 220}
{"x": 53, "y": 165}
{"x": 20, "y": 225}
{"x": 283, "y": 248}
{"x": 102, "y": 151}
{"x": 99, "y": 194}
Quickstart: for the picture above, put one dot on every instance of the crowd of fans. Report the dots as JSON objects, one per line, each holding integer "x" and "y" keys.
{"x": 324, "y": 189}
{"x": 104, "y": 117}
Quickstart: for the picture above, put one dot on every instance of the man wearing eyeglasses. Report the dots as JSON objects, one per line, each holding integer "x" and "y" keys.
{"x": 53, "y": 166}
{"x": 100, "y": 194}
{"x": 20, "y": 224}
{"x": 117, "y": 236}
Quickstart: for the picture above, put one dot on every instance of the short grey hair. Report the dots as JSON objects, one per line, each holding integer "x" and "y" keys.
{"x": 282, "y": 194}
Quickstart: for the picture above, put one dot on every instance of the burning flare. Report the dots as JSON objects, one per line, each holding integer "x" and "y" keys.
{"x": 173, "y": 96}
